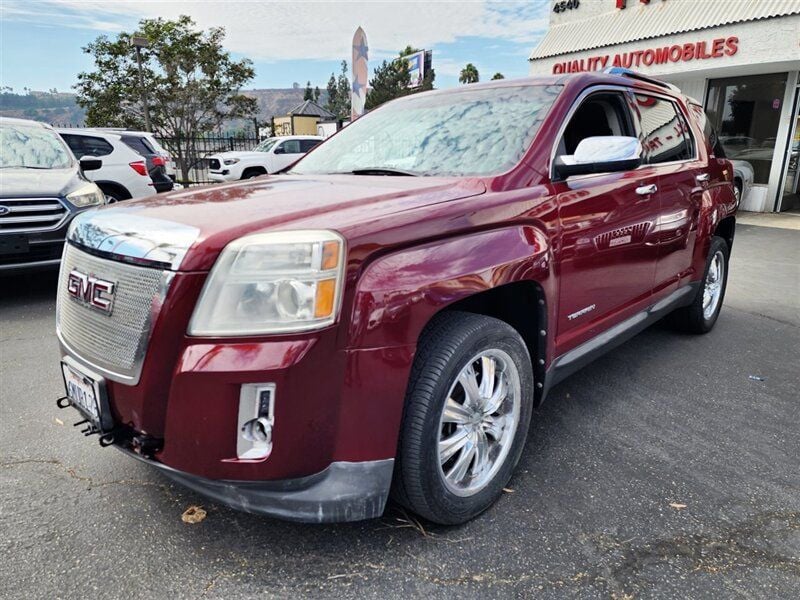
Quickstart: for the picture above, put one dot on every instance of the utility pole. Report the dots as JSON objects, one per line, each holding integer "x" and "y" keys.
{"x": 139, "y": 42}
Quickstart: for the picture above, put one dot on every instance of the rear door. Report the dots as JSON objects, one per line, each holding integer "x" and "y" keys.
{"x": 672, "y": 151}
{"x": 607, "y": 249}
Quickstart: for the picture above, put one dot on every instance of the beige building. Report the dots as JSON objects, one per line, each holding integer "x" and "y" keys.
{"x": 301, "y": 120}
{"x": 740, "y": 58}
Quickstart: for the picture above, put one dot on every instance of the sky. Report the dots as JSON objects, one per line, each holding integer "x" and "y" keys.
{"x": 288, "y": 42}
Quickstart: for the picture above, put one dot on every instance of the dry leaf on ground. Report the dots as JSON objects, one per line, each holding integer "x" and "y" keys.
{"x": 677, "y": 505}
{"x": 193, "y": 514}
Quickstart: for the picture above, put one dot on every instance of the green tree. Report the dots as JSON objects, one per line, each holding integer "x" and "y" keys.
{"x": 469, "y": 74}
{"x": 498, "y": 76}
{"x": 343, "y": 94}
{"x": 309, "y": 93}
{"x": 192, "y": 83}
{"x": 316, "y": 94}
{"x": 331, "y": 104}
{"x": 390, "y": 81}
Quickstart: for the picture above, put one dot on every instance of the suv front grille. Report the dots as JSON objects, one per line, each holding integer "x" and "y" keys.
{"x": 113, "y": 344}
{"x": 31, "y": 214}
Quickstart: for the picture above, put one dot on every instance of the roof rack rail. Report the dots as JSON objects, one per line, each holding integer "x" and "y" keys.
{"x": 622, "y": 72}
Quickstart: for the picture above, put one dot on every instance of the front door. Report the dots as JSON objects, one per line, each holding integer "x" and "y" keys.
{"x": 608, "y": 251}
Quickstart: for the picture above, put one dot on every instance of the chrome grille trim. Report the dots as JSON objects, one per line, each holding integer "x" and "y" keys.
{"x": 112, "y": 345}
{"x": 53, "y": 213}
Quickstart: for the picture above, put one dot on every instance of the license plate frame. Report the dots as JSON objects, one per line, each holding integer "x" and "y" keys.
{"x": 87, "y": 393}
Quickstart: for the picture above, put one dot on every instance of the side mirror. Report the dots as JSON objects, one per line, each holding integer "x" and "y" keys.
{"x": 279, "y": 150}
{"x": 90, "y": 164}
{"x": 601, "y": 154}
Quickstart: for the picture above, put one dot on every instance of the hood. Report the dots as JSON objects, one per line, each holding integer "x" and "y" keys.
{"x": 239, "y": 155}
{"x": 187, "y": 229}
{"x": 16, "y": 183}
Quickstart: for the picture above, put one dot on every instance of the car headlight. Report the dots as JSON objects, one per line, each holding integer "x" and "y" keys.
{"x": 272, "y": 283}
{"x": 88, "y": 195}
{"x": 231, "y": 161}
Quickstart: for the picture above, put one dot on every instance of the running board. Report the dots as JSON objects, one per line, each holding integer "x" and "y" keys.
{"x": 577, "y": 358}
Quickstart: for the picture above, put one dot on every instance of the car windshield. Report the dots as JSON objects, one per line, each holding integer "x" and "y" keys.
{"x": 469, "y": 132}
{"x": 265, "y": 145}
{"x": 32, "y": 147}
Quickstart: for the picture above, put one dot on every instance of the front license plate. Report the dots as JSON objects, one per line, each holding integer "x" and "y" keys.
{"x": 83, "y": 392}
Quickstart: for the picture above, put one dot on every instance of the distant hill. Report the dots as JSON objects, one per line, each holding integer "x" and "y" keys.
{"x": 60, "y": 108}
{"x": 277, "y": 102}
{"x": 52, "y": 107}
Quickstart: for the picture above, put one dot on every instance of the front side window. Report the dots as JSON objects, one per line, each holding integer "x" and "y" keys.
{"x": 32, "y": 147}
{"x": 291, "y": 147}
{"x": 601, "y": 114}
{"x": 468, "y": 132}
{"x": 266, "y": 145}
{"x": 665, "y": 133}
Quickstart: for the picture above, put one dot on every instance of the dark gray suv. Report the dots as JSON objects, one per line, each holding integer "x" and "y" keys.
{"x": 42, "y": 187}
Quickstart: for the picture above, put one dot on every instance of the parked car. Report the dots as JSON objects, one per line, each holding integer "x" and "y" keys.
{"x": 151, "y": 147}
{"x": 123, "y": 175}
{"x": 270, "y": 156}
{"x": 42, "y": 187}
{"x": 384, "y": 317}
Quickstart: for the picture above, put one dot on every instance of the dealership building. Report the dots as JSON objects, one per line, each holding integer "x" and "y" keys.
{"x": 740, "y": 58}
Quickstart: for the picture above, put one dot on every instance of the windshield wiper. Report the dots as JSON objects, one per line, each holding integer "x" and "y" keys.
{"x": 25, "y": 167}
{"x": 383, "y": 171}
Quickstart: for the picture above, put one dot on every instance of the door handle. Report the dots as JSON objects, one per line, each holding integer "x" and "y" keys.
{"x": 646, "y": 190}
{"x": 702, "y": 178}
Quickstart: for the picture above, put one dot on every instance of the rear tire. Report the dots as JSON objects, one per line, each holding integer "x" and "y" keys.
{"x": 701, "y": 315}
{"x": 453, "y": 464}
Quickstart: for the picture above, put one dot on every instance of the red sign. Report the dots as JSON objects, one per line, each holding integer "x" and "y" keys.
{"x": 716, "y": 48}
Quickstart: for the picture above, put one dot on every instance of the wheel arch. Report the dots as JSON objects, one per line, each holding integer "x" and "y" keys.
{"x": 116, "y": 187}
{"x": 726, "y": 229}
{"x": 256, "y": 170}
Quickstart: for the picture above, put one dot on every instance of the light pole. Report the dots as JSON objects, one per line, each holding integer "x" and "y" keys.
{"x": 139, "y": 42}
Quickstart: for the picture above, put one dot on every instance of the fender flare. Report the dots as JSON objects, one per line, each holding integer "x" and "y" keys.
{"x": 398, "y": 293}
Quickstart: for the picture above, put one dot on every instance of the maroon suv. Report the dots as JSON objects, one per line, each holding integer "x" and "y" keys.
{"x": 384, "y": 317}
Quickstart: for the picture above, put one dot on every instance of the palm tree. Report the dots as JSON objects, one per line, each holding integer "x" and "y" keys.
{"x": 498, "y": 76}
{"x": 469, "y": 74}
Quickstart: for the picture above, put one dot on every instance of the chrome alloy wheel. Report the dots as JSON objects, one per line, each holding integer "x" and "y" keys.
{"x": 712, "y": 290}
{"x": 479, "y": 421}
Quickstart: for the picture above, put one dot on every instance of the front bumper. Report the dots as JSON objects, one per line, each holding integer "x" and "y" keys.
{"x": 221, "y": 176}
{"x": 344, "y": 491}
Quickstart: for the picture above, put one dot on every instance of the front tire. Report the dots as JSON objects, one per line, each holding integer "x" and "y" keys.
{"x": 467, "y": 413}
{"x": 701, "y": 315}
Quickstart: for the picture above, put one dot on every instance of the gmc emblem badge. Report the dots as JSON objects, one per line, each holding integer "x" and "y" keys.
{"x": 89, "y": 290}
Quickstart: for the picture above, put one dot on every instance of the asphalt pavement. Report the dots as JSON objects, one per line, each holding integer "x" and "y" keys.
{"x": 669, "y": 468}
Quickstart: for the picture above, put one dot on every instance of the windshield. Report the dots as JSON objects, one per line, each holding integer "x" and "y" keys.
{"x": 265, "y": 145}
{"x": 32, "y": 147}
{"x": 470, "y": 132}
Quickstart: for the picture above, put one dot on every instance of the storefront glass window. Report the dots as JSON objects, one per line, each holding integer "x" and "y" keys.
{"x": 746, "y": 112}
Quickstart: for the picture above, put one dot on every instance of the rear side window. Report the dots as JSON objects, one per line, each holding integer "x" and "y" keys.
{"x": 307, "y": 145}
{"x": 137, "y": 144}
{"x": 710, "y": 134}
{"x": 84, "y": 145}
{"x": 665, "y": 133}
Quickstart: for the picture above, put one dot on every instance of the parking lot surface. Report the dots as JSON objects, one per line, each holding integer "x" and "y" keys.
{"x": 669, "y": 468}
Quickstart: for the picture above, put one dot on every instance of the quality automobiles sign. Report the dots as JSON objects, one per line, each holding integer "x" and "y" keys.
{"x": 702, "y": 50}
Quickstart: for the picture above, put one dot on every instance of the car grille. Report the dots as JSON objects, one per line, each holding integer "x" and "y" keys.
{"x": 214, "y": 164}
{"x": 31, "y": 214}
{"x": 113, "y": 344}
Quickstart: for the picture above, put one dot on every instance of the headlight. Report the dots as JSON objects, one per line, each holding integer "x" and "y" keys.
{"x": 231, "y": 161}
{"x": 271, "y": 283}
{"x": 88, "y": 195}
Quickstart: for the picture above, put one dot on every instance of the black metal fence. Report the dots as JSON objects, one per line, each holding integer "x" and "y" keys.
{"x": 196, "y": 151}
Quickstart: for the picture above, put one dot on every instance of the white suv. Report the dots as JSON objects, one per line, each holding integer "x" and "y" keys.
{"x": 123, "y": 175}
{"x": 270, "y": 156}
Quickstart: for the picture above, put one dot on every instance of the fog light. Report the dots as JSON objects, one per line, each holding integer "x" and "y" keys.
{"x": 258, "y": 430}
{"x": 256, "y": 420}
